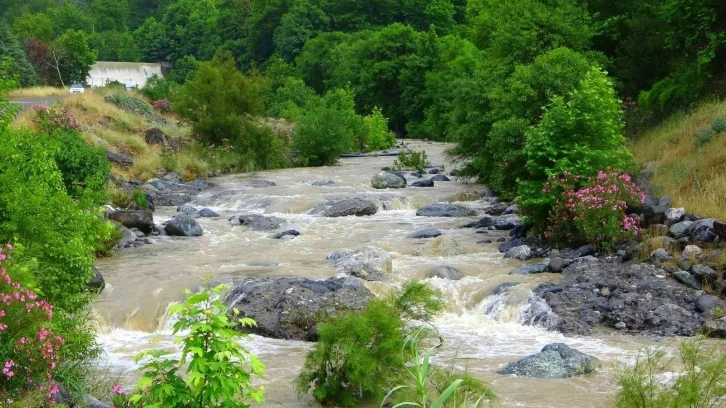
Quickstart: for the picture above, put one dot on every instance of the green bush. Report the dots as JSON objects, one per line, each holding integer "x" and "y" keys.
{"x": 158, "y": 88}
{"x": 358, "y": 355}
{"x": 377, "y": 136}
{"x": 130, "y": 104}
{"x": 701, "y": 384}
{"x": 703, "y": 137}
{"x": 84, "y": 168}
{"x": 578, "y": 135}
{"x": 411, "y": 160}
{"x": 219, "y": 370}
{"x": 291, "y": 99}
{"x": 719, "y": 125}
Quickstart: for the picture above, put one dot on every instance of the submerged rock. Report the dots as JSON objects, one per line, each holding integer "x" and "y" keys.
{"x": 445, "y": 210}
{"x": 183, "y": 226}
{"x": 345, "y": 207}
{"x": 522, "y": 252}
{"x": 427, "y": 233}
{"x": 444, "y": 245}
{"x": 445, "y": 272}
{"x": 287, "y": 234}
{"x": 439, "y": 177}
{"x": 289, "y": 308}
{"x": 369, "y": 263}
{"x": 257, "y": 222}
{"x": 97, "y": 282}
{"x": 423, "y": 183}
{"x": 556, "y": 360}
{"x": 207, "y": 213}
{"x": 258, "y": 183}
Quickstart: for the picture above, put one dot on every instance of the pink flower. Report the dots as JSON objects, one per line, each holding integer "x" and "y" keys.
{"x": 117, "y": 389}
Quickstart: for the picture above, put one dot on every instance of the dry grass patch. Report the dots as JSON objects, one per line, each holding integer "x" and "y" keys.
{"x": 694, "y": 177}
{"x": 37, "y": 92}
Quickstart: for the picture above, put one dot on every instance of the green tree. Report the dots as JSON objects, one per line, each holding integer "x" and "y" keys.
{"x": 109, "y": 15}
{"x": 67, "y": 16}
{"x": 191, "y": 28}
{"x": 151, "y": 41}
{"x": 71, "y": 57}
{"x": 114, "y": 46}
{"x": 37, "y": 25}
{"x": 302, "y": 21}
{"x": 317, "y": 61}
{"x": 19, "y": 65}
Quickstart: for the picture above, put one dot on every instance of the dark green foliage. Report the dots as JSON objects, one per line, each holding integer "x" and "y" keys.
{"x": 302, "y": 22}
{"x": 19, "y": 65}
{"x": 130, "y": 104}
{"x": 84, "y": 168}
{"x": 703, "y": 136}
{"x": 71, "y": 56}
{"x": 158, "y": 88}
{"x": 358, "y": 355}
{"x": 719, "y": 125}
{"x": 411, "y": 160}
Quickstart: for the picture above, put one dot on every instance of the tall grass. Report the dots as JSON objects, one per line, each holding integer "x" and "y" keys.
{"x": 38, "y": 92}
{"x": 691, "y": 170}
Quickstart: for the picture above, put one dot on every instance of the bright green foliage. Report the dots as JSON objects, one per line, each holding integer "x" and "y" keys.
{"x": 114, "y": 46}
{"x": 220, "y": 370}
{"x": 67, "y": 16}
{"x": 376, "y": 133}
{"x": 158, "y": 88}
{"x": 72, "y": 57}
{"x": 317, "y": 62}
{"x": 291, "y": 99}
{"x": 190, "y": 27}
{"x": 411, "y": 160}
{"x": 151, "y": 40}
{"x": 580, "y": 135}
{"x": 37, "y": 25}
{"x": 303, "y": 21}
{"x": 109, "y": 15}
{"x": 358, "y": 354}
{"x": 701, "y": 384}
{"x": 19, "y": 64}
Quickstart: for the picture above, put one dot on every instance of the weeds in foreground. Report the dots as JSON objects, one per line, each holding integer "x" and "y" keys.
{"x": 411, "y": 160}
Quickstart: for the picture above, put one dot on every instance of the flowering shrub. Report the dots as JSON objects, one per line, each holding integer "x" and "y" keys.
{"x": 162, "y": 105}
{"x": 55, "y": 118}
{"x": 592, "y": 210}
{"x": 29, "y": 351}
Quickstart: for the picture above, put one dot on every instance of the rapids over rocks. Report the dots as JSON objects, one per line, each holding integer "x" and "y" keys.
{"x": 484, "y": 329}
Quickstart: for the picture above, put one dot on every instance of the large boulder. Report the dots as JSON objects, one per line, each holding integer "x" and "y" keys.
{"x": 556, "y": 360}
{"x": 257, "y": 222}
{"x": 531, "y": 269}
{"x": 97, "y": 283}
{"x": 702, "y": 230}
{"x": 445, "y": 272}
{"x": 143, "y": 220}
{"x": 287, "y": 234}
{"x": 385, "y": 179}
{"x": 345, "y": 207}
{"x": 680, "y": 229}
{"x": 643, "y": 297}
{"x": 155, "y": 136}
{"x": 440, "y": 177}
{"x": 369, "y": 263}
{"x": 128, "y": 237}
{"x": 445, "y": 210}
{"x": 183, "y": 226}
{"x": 506, "y": 246}
{"x": 207, "y": 213}
{"x": 522, "y": 252}
{"x": 507, "y": 222}
{"x": 290, "y": 308}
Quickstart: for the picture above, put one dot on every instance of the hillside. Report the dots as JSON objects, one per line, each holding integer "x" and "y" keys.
{"x": 689, "y": 159}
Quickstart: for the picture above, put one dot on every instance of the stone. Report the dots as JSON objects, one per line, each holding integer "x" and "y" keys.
{"x": 621, "y": 326}
{"x": 445, "y": 210}
{"x": 702, "y": 230}
{"x": 522, "y": 252}
{"x": 688, "y": 280}
{"x": 557, "y": 264}
{"x": 288, "y": 233}
{"x": 680, "y": 229}
{"x": 665, "y": 201}
{"x": 507, "y": 222}
{"x": 530, "y": 269}
{"x": 345, "y": 207}
{"x": 719, "y": 228}
{"x": 440, "y": 177}
{"x": 97, "y": 283}
{"x": 257, "y": 222}
{"x": 691, "y": 253}
{"x": 423, "y": 183}
{"x": 415, "y": 174}
{"x": 482, "y": 223}
{"x": 445, "y": 272}
{"x": 501, "y": 239}
{"x": 155, "y": 136}
{"x": 483, "y": 231}
{"x": 427, "y": 233}
{"x": 674, "y": 215}
{"x": 504, "y": 287}
{"x": 322, "y": 183}
{"x": 556, "y": 360}
{"x": 369, "y": 263}
{"x": 655, "y": 214}
{"x": 91, "y": 402}
{"x": 704, "y": 273}
{"x": 661, "y": 255}
{"x": 704, "y": 303}
{"x": 497, "y": 209}
{"x": 512, "y": 209}
{"x": 484, "y": 241}
{"x": 385, "y": 179}
{"x": 121, "y": 159}
{"x": 503, "y": 248}
{"x": 186, "y": 208}
{"x": 289, "y": 308}
{"x": 207, "y": 213}
{"x": 128, "y": 238}
{"x": 143, "y": 220}
{"x": 259, "y": 183}
{"x": 183, "y": 226}
{"x": 444, "y": 245}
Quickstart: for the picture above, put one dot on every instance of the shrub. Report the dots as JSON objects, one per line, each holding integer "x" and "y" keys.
{"x": 130, "y": 104}
{"x": 215, "y": 376}
{"x": 158, "y": 88}
{"x": 703, "y": 137}
{"x": 719, "y": 125}
{"x": 580, "y": 136}
{"x": 162, "y": 106}
{"x": 54, "y": 119}
{"x": 412, "y": 160}
{"x": 592, "y": 211}
{"x": 377, "y": 136}
{"x": 29, "y": 351}
{"x": 291, "y": 99}
{"x": 358, "y": 354}
{"x": 702, "y": 383}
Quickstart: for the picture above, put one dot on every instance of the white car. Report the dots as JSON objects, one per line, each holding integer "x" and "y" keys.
{"x": 77, "y": 88}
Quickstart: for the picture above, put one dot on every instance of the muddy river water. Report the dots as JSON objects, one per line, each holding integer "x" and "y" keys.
{"x": 482, "y": 331}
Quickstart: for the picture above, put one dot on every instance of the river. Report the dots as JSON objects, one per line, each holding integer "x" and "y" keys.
{"x": 482, "y": 332}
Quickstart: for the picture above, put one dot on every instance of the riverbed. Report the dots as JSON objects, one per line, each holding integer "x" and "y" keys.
{"x": 482, "y": 332}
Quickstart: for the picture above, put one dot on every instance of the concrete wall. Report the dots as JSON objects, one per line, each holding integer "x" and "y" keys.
{"x": 135, "y": 72}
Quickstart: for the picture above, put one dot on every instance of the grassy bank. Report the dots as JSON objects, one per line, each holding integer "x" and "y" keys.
{"x": 38, "y": 92}
{"x": 690, "y": 163}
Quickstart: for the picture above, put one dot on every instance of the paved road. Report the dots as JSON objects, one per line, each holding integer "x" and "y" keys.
{"x": 27, "y": 103}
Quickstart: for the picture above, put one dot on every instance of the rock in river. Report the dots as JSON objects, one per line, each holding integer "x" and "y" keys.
{"x": 289, "y": 308}
{"x": 439, "y": 177}
{"x": 345, "y": 207}
{"x": 287, "y": 234}
{"x": 556, "y": 360}
{"x": 183, "y": 226}
{"x": 143, "y": 220}
{"x": 369, "y": 263}
{"x": 445, "y": 272}
{"x": 423, "y": 183}
{"x": 207, "y": 213}
{"x": 427, "y": 233}
{"x": 385, "y": 179}
{"x": 445, "y": 210}
{"x": 257, "y": 222}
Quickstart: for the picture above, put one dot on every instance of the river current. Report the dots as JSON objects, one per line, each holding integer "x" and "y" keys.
{"x": 482, "y": 332}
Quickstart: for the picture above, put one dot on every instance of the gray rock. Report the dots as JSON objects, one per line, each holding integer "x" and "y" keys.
{"x": 557, "y": 264}
{"x": 445, "y": 210}
{"x": 288, "y": 233}
{"x": 512, "y": 209}
{"x": 258, "y": 183}
{"x": 415, "y": 174}
{"x": 186, "y": 208}
{"x": 385, "y": 179}
{"x": 702, "y": 230}
{"x": 423, "y": 183}
{"x": 322, "y": 183}
{"x": 507, "y": 222}
{"x": 504, "y": 287}
{"x": 445, "y": 272}
{"x": 143, "y": 220}
{"x": 183, "y": 226}
{"x": 290, "y": 308}
{"x": 674, "y": 215}
{"x": 257, "y": 222}
{"x": 485, "y": 222}
{"x": 680, "y": 229}
{"x": 522, "y": 252}
{"x": 128, "y": 238}
{"x": 691, "y": 253}
{"x": 665, "y": 201}
{"x": 90, "y": 402}
{"x": 434, "y": 171}
{"x": 662, "y": 242}
{"x": 530, "y": 269}
{"x": 661, "y": 255}
{"x": 121, "y": 159}
{"x": 556, "y": 360}
{"x": 704, "y": 303}
{"x": 97, "y": 283}
{"x": 503, "y": 248}
{"x": 155, "y": 136}
{"x": 345, "y": 207}
{"x": 440, "y": 177}
{"x": 369, "y": 263}
{"x": 704, "y": 273}
{"x": 427, "y": 233}
{"x": 688, "y": 280}
{"x": 207, "y": 213}
{"x": 484, "y": 241}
